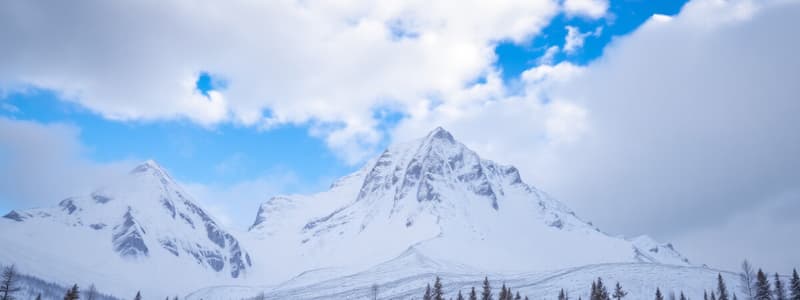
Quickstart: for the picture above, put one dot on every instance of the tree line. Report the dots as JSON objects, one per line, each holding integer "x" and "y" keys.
{"x": 755, "y": 285}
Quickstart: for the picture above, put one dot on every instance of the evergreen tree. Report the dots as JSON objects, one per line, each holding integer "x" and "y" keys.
{"x": 176, "y": 297}
{"x": 705, "y": 295}
{"x": 795, "y": 287}
{"x": 487, "y": 290}
{"x": 763, "y": 291}
{"x": 734, "y": 296}
{"x": 602, "y": 292}
{"x": 722, "y": 289}
{"x": 713, "y": 296}
{"x": 659, "y": 296}
{"x": 503, "y": 293}
{"x": 780, "y": 292}
{"x": 619, "y": 293}
{"x": 563, "y": 296}
{"x": 437, "y": 290}
{"x": 8, "y": 283}
{"x": 473, "y": 295}
{"x": 517, "y": 297}
{"x": 672, "y": 296}
{"x": 73, "y": 293}
{"x": 427, "y": 295}
{"x": 683, "y": 297}
{"x": 747, "y": 280}
{"x": 138, "y": 296}
{"x": 91, "y": 293}
{"x": 593, "y": 293}
{"x": 460, "y": 297}
{"x": 39, "y": 296}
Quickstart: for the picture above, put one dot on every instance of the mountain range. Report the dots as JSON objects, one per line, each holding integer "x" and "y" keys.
{"x": 422, "y": 208}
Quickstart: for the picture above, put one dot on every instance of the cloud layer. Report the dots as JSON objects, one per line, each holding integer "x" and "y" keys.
{"x": 678, "y": 130}
{"x": 331, "y": 64}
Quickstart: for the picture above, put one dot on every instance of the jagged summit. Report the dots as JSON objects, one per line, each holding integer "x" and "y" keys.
{"x": 440, "y": 133}
{"x": 441, "y": 197}
{"x": 143, "y": 218}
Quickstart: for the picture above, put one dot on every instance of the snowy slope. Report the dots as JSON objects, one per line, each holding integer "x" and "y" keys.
{"x": 450, "y": 204}
{"x": 138, "y": 232}
{"x": 407, "y": 276}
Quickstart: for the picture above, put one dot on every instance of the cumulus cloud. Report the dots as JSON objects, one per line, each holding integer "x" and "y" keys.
{"x": 43, "y": 163}
{"x": 680, "y": 130}
{"x": 587, "y": 8}
{"x": 285, "y": 62}
{"x": 574, "y": 39}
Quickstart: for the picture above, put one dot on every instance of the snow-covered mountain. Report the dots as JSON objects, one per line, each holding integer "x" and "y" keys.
{"x": 140, "y": 231}
{"x": 429, "y": 206}
{"x": 439, "y": 197}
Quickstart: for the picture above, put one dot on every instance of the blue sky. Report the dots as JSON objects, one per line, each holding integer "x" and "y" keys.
{"x": 227, "y": 153}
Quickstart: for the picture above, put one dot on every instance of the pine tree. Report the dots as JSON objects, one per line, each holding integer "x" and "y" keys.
{"x": 795, "y": 287}
{"x": 713, "y": 296}
{"x": 460, "y": 297}
{"x": 722, "y": 289}
{"x": 747, "y": 280}
{"x": 73, "y": 293}
{"x": 487, "y": 290}
{"x": 562, "y": 295}
{"x": 91, "y": 293}
{"x": 593, "y": 294}
{"x": 683, "y": 297}
{"x": 138, "y": 296}
{"x": 602, "y": 292}
{"x": 503, "y": 293}
{"x": 763, "y": 291}
{"x": 427, "y": 295}
{"x": 517, "y": 297}
{"x": 658, "y": 294}
{"x": 619, "y": 293}
{"x": 705, "y": 295}
{"x": 780, "y": 292}
{"x": 473, "y": 295}
{"x": 437, "y": 290}
{"x": 8, "y": 283}
{"x": 39, "y": 296}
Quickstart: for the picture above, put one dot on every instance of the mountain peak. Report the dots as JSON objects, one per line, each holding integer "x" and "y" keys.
{"x": 440, "y": 134}
{"x": 152, "y": 168}
{"x": 147, "y": 165}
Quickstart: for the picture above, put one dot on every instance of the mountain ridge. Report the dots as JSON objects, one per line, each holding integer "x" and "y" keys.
{"x": 429, "y": 203}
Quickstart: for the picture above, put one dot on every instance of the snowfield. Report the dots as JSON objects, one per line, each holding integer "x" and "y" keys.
{"x": 423, "y": 208}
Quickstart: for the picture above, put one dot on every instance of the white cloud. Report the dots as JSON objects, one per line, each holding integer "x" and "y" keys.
{"x": 43, "y": 163}
{"x": 548, "y": 56}
{"x": 574, "y": 39}
{"x": 286, "y": 62}
{"x": 587, "y": 8}
{"x": 682, "y": 125}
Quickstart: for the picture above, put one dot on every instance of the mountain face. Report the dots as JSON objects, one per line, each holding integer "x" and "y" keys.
{"x": 427, "y": 206}
{"x": 442, "y": 199}
{"x": 144, "y": 221}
